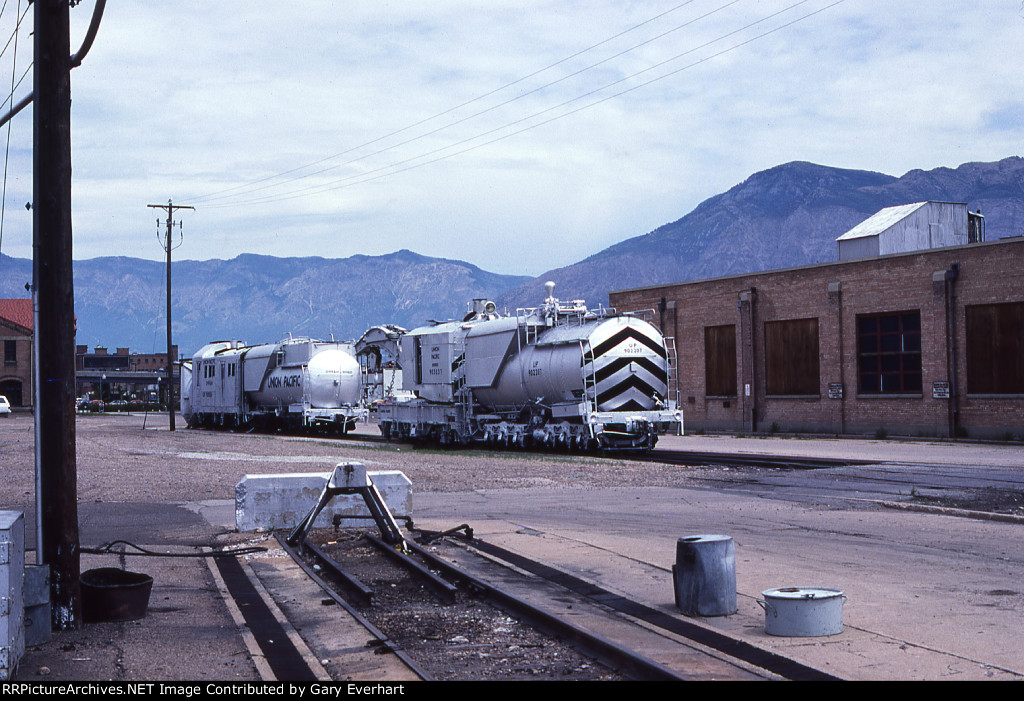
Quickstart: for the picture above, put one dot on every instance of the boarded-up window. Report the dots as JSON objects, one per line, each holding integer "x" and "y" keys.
{"x": 889, "y": 353}
{"x": 995, "y": 348}
{"x": 791, "y": 357}
{"x": 720, "y": 361}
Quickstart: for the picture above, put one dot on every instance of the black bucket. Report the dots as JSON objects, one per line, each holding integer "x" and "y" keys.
{"x": 112, "y": 594}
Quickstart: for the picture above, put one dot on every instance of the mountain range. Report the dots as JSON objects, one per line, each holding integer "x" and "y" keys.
{"x": 120, "y": 301}
{"x": 782, "y": 217}
{"x": 785, "y": 216}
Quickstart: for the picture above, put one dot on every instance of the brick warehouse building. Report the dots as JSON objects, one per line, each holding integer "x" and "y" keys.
{"x": 16, "y": 324}
{"x": 920, "y": 343}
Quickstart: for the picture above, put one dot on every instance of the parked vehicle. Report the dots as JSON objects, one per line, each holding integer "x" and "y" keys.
{"x": 5, "y": 406}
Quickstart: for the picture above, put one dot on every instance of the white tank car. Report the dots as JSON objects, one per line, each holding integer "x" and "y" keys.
{"x": 295, "y": 384}
{"x": 556, "y": 376}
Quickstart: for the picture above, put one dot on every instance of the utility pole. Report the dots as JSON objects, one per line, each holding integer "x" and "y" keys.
{"x": 169, "y": 207}
{"x": 55, "y": 332}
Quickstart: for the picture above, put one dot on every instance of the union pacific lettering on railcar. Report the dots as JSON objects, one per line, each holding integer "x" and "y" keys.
{"x": 277, "y": 381}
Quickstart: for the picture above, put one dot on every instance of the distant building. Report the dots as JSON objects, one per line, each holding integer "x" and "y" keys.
{"x": 122, "y": 374}
{"x": 101, "y": 360}
{"x": 924, "y": 337}
{"x": 16, "y": 331}
{"x": 911, "y": 227}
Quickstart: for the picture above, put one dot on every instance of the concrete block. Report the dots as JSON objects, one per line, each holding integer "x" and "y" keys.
{"x": 281, "y": 501}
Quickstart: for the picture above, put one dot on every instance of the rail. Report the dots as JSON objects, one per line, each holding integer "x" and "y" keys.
{"x": 609, "y": 653}
{"x": 382, "y": 642}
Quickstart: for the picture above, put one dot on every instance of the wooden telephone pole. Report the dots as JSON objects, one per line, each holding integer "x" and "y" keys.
{"x": 169, "y": 207}
{"x": 55, "y": 332}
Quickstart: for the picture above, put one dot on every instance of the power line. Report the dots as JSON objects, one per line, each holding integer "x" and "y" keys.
{"x": 15, "y": 86}
{"x": 215, "y": 195}
{"x": 17, "y": 27}
{"x": 7, "y": 145}
{"x": 409, "y": 163}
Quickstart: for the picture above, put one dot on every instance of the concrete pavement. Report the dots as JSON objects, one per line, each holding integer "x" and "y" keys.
{"x": 930, "y": 596}
{"x": 923, "y": 451}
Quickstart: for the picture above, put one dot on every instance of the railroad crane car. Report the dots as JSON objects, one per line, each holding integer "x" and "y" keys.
{"x": 295, "y": 384}
{"x": 556, "y": 376}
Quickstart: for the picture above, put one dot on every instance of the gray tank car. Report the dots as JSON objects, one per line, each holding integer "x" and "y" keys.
{"x": 558, "y": 376}
{"x": 295, "y": 384}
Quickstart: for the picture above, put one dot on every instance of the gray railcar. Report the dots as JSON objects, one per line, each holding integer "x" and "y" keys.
{"x": 294, "y": 384}
{"x": 558, "y": 376}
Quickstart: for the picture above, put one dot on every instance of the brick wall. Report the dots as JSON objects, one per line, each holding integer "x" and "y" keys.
{"x": 836, "y": 294}
{"x": 19, "y": 372}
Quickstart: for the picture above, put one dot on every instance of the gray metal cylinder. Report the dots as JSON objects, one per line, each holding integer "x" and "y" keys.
{"x": 704, "y": 575}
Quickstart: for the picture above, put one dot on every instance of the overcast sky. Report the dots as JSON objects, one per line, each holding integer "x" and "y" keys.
{"x": 516, "y": 136}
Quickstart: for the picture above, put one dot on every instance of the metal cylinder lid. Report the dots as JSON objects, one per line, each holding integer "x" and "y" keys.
{"x": 704, "y": 538}
{"x": 801, "y": 593}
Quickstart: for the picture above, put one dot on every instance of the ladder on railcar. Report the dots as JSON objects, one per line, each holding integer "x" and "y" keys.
{"x": 589, "y": 380}
{"x": 461, "y": 394}
{"x": 673, "y": 375}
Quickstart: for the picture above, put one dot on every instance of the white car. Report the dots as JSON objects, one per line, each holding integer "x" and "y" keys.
{"x": 5, "y": 406}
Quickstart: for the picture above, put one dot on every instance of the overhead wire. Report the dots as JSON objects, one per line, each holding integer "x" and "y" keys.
{"x": 506, "y": 102}
{"x": 74, "y": 61}
{"x": 13, "y": 39}
{"x": 409, "y": 163}
{"x": 14, "y": 86}
{"x": 450, "y": 110}
{"x": 17, "y": 26}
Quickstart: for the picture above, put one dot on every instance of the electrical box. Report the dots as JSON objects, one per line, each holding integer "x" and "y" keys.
{"x": 12, "y": 576}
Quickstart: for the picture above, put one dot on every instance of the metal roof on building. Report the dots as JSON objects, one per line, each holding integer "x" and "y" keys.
{"x": 881, "y": 220}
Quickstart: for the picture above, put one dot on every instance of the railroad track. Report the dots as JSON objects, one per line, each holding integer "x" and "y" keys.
{"x": 693, "y": 457}
{"x": 454, "y": 605}
{"x": 675, "y": 457}
{"x": 700, "y": 652}
{"x": 782, "y": 462}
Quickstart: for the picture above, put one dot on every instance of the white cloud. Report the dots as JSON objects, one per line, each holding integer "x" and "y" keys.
{"x": 188, "y": 99}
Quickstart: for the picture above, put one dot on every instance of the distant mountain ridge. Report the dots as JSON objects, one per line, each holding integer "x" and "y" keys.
{"x": 782, "y": 217}
{"x": 119, "y": 301}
